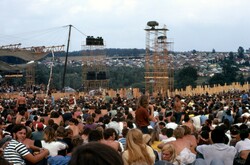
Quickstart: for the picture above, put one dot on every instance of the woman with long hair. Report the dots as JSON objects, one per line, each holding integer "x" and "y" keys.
{"x": 137, "y": 152}
{"x": 50, "y": 142}
{"x": 142, "y": 117}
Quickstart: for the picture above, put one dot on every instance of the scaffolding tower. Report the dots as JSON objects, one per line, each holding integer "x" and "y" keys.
{"x": 29, "y": 54}
{"x": 95, "y": 72}
{"x": 30, "y": 76}
{"x": 159, "y": 70}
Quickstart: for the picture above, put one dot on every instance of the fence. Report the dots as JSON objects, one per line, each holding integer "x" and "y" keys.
{"x": 135, "y": 92}
{"x": 216, "y": 89}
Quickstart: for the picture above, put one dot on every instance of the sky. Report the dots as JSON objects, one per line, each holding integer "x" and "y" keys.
{"x": 202, "y": 25}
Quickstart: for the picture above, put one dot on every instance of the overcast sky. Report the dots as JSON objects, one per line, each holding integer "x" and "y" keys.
{"x": 193, "y": 24}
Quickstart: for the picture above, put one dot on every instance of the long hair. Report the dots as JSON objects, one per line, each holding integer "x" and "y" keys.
{"x": 155, "y": 135}
{"x": 49, "y": 134}
{"x": 136, "y": 148}
{"x": 143, "y": 101}
{"x": 61, "y": 132}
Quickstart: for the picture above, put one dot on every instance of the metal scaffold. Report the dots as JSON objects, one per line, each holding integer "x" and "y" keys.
{"x": 159, "y": 70}
{"x": 95, "y": 72}
{"x": 29, "y": 54}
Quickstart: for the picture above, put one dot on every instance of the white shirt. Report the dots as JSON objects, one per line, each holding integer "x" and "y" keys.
{"x": 243, "y": 145}
{"x": 217, "y": 151}
{"x": 53, "y": 147}
{"x": 197, "y": 122}
{"x": 169, "y": 140}
{"x": 172, "y": 125}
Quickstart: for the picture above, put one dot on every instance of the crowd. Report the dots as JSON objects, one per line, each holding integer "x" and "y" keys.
{"x": 191, "y": 130}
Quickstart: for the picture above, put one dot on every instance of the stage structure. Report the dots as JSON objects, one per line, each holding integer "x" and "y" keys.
{"x": 95, "y": 72}
{"x": 29, "y": 54}
{"x": 159, "y": 70}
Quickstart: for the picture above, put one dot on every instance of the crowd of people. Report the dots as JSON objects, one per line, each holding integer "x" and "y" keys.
{"x": 191, "y": 130}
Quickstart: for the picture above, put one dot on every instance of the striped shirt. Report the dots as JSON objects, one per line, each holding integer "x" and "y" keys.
{"x": 123, "y": 141}
{"x": 14, "y": 152}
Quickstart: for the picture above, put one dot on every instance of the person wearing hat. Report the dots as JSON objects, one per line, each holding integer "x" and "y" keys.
{"x": 38, "y": 134}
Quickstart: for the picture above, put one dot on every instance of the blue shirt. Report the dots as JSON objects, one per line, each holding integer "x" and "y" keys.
{"x": 59, "y": 160}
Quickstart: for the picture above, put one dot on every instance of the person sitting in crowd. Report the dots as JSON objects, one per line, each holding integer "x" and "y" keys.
{"x": 169, "y": 156}
{"x": 148, "y": 140}
{"x": 95, "y": 153}
{"x": 136, "y": 150}
{"x": 169, "y": 133}
{"x": 218, "y": 150}
{"x": 183, "y": 147}
{"x": 110, "y": 138}
{"x": 127, "y": 116}
{"x": 38, "y": 134}
{"x": 243, "y": 146}
{"x": 50, "y": 142}
{"x": 17, "y": 153}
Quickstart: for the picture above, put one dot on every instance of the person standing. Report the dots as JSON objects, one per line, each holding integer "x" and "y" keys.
{"x": 244, "y": 97}
{"x": 178, "y": 110}
{"x": 21, "y": 100}
{"x": 142, "y": 116}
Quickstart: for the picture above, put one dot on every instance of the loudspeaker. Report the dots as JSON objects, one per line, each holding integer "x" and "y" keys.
{"x": 101, "y": 76}
{"x": 91, "y": 76}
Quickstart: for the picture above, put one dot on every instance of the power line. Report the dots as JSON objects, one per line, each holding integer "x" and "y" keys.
{"x": 79, "y": 31}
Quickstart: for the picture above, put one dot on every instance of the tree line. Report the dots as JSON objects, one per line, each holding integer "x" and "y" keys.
{"x": 126, "y": 77}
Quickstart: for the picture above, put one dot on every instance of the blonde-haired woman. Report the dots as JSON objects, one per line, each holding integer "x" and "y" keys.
{"x": 168, "y": 154}
{"x": 137, "y": 152}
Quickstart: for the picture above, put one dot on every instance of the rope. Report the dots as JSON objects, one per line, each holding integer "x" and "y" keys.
{"x": 79, "y": 31}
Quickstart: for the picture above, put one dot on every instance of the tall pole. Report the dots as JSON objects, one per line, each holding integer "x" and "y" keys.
{"x": 66, "y": 58}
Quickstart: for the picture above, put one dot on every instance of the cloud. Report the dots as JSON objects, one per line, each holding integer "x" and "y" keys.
{"x": 193, "y": 24}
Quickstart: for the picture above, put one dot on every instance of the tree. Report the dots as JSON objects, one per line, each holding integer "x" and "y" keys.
{"x": 218, "y": 78}
{"x": 241, "y": 79}
{"x": 241, "y": 52}
{"x": 126, "y": 77}
{"x": 228, "y": 75}
{"x": 229, "y": 71}
{"x": 231, "y": 56}
{"x": 213, "y": 51}
{"x": 186, "y": 76}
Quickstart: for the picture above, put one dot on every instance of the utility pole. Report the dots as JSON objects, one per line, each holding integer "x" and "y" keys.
{"x": 66, "y": 59}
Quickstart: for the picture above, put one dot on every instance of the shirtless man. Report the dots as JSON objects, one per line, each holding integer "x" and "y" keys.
{"x": 110, "y": 139}
{"x": 183, "y": 146}
{"x": 178, "y": 111}
{"x": 21, "y": 101}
